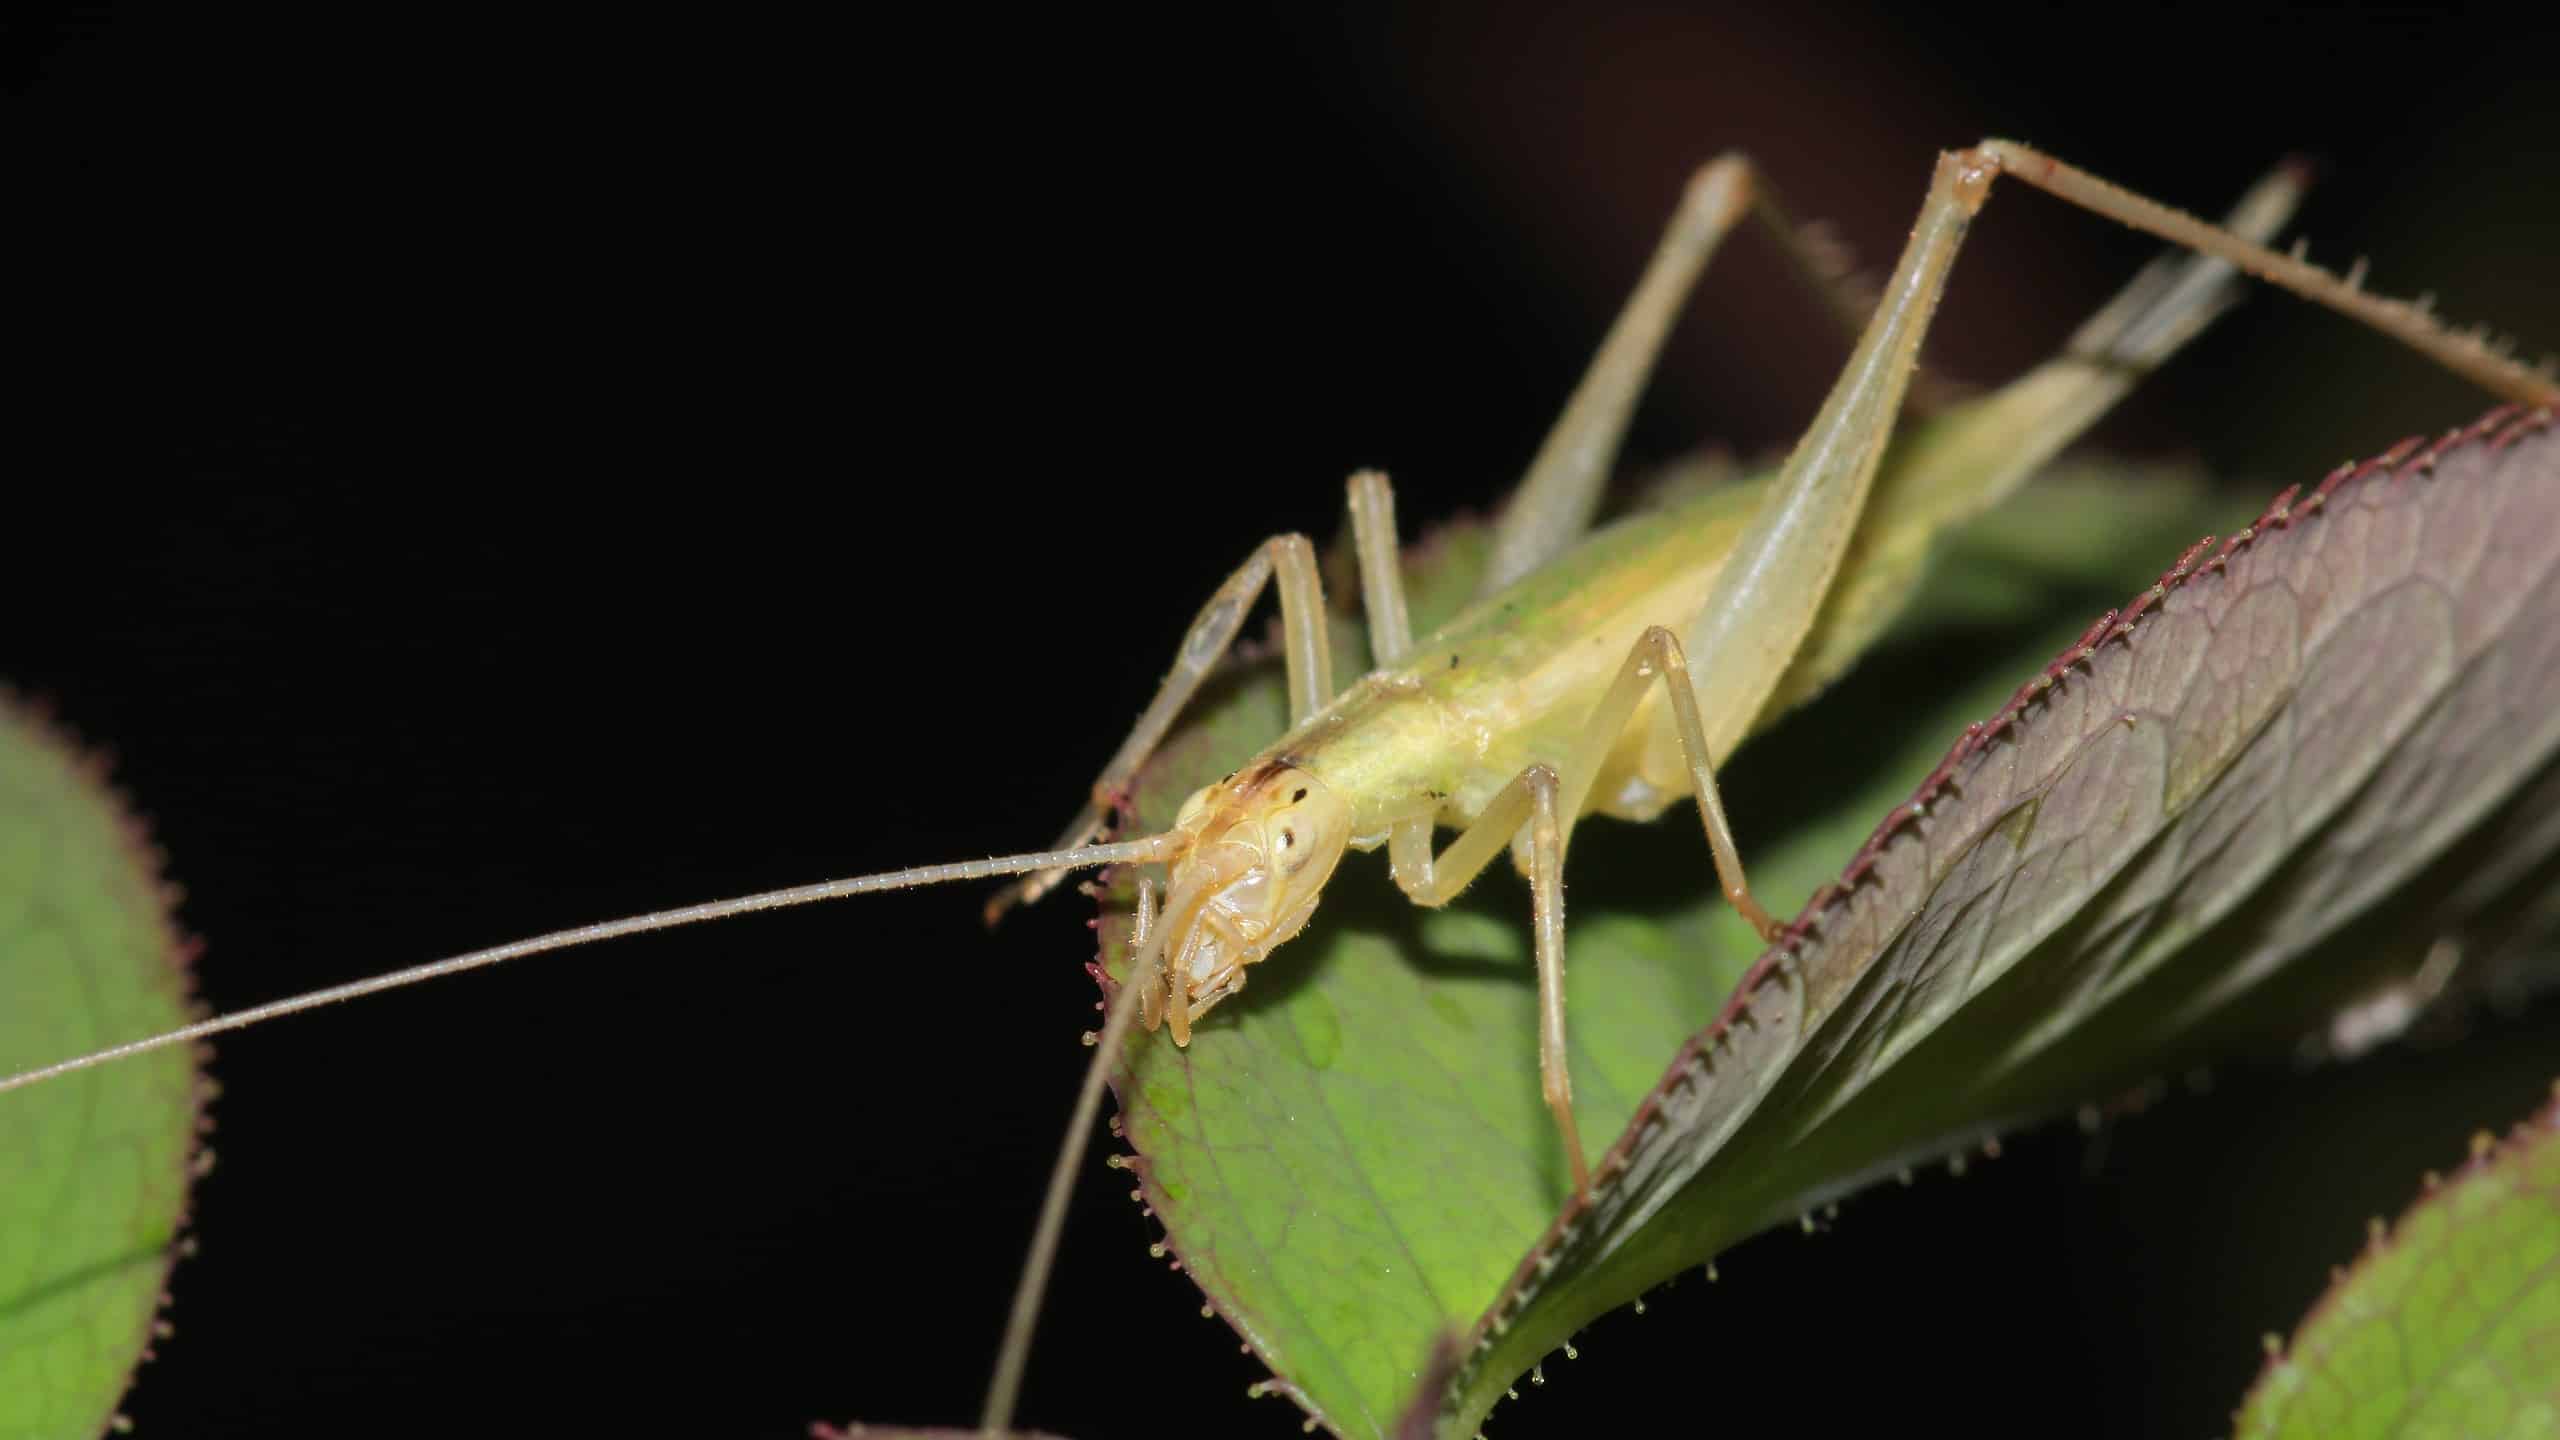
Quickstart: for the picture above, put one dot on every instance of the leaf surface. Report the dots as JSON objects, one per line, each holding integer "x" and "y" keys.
{"x": 2106, "y": 879}
{"x": 94, "y": 1166}
{"x": 2449, "y": 1322}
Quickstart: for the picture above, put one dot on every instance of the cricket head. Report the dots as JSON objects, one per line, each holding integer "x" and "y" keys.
{"x": 1260, "y": 845}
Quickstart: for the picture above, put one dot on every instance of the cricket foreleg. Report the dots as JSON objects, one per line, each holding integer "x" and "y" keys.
{"x": 1289, "y": 559}
{"x": 1526, "y": 805}
{"x": 1540, "y": 808}
{"x": 1373, "y": 535}
{"x": 1303, "y": 637}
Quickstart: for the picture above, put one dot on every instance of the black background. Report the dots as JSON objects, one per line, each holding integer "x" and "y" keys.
{"x": 480, "y": 475}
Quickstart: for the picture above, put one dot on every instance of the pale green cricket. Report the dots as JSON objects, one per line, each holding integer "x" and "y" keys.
{"x": 1607, "y": 671}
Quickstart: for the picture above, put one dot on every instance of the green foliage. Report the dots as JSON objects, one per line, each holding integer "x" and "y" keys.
{"x": 93, "y": 1167}
{"x": 1353, "y": 1161}
{"x": 2448, "y": 1324}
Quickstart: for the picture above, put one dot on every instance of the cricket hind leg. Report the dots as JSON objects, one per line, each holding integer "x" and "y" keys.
{"x": 1770, "y": 587}
{"x": 1560, "y": 493}
{"x": 1755, "y": 619}
{"x": 2469, "y": 354}
{"x": 1762, "y": 602}
{"x": 1788, "y": 550}
{"x": 1973, "y": 458}
{"x": 1757, "y": 615}
{"x": 1997, "y": 443}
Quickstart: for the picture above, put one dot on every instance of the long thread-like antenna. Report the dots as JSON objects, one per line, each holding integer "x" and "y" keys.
{"x": 1146, "y": 950}
{"x": 1150, "y": 848}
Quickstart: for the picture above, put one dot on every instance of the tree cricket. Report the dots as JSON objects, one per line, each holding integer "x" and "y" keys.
{"x": 1608, "y": 671}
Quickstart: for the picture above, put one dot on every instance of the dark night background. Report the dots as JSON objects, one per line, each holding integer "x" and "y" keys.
{"x": 485, "y": 475}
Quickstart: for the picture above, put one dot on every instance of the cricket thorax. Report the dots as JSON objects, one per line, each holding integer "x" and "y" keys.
{"x": 1261, "y": 844}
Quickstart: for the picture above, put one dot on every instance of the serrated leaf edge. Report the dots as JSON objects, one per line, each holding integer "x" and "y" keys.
{"x": 39, "y": 720}
{"x": 2415, "y": 457}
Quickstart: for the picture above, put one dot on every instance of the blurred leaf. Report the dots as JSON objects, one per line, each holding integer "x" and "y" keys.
{"x": 2448, "y": 1324}
{"x": 858, "y": 1431}
{"x": 94, "y": 1166}
{"x": 1352, "y": 1159}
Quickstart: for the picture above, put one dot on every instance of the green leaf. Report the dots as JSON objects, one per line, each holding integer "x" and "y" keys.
{"x": 2448, "y": 1324}
{"x": 1353, "y": 1160}
{"x": 2121, "y": 870}
{"x": 93, "y": 1167}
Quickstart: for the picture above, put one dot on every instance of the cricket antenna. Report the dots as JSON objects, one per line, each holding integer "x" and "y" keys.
{"x": 1146, "y": 956}
{"x": 1149, "y": 849}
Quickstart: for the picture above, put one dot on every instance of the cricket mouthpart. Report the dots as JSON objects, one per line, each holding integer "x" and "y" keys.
{"x": 1262, "y": 844}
